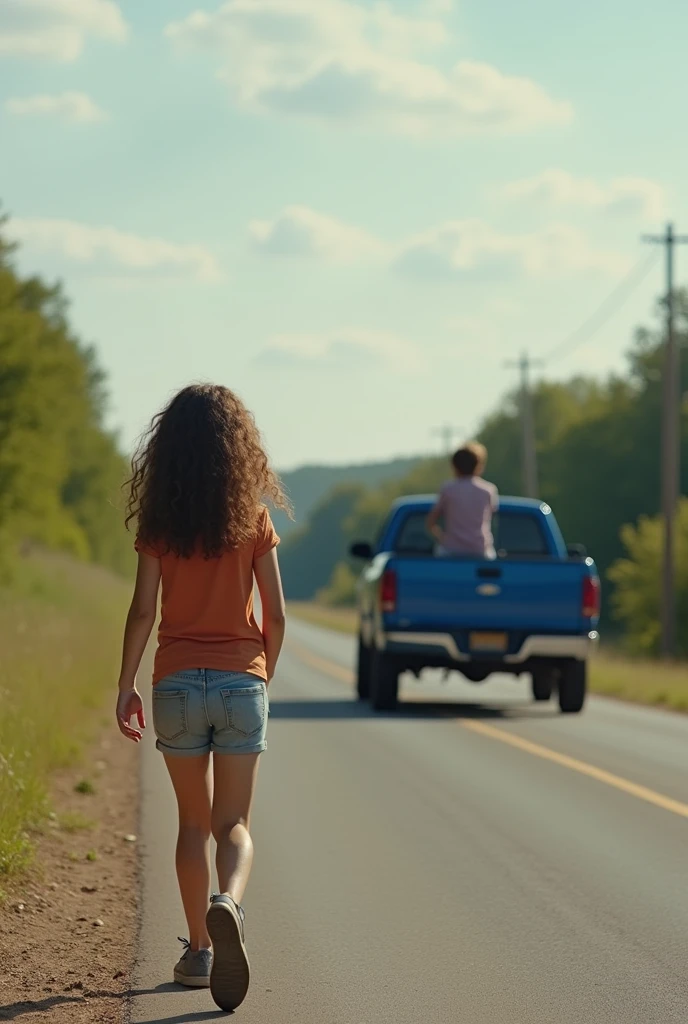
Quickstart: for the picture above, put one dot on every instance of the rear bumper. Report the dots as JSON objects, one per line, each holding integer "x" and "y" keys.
{"x": 444, "y": 646}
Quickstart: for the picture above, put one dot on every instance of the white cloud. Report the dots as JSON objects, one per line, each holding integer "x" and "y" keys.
{"x": 445, "y": 251}
{"x": 473, "y": 246}
{"x": 70, "y": 106}
{"x": 344, "y": 350}
{"x": 627, "y": 195}
{"x": 57, "y": 29}
{"x": 300, "y": 231}
{"x": 437, "y": 6}
{"x": 86, "y": 243}
{"x": 342, "y": 61}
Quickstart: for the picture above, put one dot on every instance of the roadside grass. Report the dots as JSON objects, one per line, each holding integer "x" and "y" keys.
{"x": 640, "y": 681}
{"x": 73, "y": 821}
{"x": 341, "y": 620}
{"x": 60, "y": 622}
{"x": 612, "y": 674}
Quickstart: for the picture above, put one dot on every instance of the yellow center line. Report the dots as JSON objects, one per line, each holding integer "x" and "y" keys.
{"x": 330, "y": 668}
{"x": 582, "y": 767}
{"x": 650, "y": 796}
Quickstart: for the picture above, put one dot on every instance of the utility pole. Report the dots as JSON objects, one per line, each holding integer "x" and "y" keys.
{"x": 531, "y": 486}
{"x": 447, "y": 433}
{"x": 671, "y": 445}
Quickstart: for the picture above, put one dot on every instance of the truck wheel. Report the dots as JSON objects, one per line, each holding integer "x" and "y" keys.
{"x": 572, "y": 687}
{"x": 543, "y": 683}
{"x": 384, "y": 682}
{"x": 363, "y": 670}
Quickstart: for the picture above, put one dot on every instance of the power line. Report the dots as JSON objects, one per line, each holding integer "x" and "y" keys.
{"x": 607, "y": 308}
{"x": 590, "y": 326}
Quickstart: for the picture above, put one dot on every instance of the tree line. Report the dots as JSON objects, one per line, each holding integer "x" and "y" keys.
{"x": 598, "y": 448}
{"x": 61, "y": 470}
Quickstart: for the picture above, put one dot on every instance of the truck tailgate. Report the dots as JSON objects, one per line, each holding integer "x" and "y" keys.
{"x": 449, "y": 594}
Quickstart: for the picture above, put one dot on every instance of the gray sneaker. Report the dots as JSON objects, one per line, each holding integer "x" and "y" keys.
{"x": 231, "y": 971}
{"x": 193, "y": 969}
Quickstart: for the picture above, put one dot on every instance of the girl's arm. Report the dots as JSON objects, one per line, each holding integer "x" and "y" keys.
{"x": 140, "y": 622}
{"x": 269, "y": 583}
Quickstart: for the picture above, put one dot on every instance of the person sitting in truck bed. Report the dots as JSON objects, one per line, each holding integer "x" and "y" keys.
{"x": 461, "y": 521}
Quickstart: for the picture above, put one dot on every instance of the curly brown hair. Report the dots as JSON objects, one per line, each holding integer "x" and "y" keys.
{"x": 200, "y": 475}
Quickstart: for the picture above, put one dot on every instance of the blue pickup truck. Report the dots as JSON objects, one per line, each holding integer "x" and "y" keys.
{"x": 533, "y": 610}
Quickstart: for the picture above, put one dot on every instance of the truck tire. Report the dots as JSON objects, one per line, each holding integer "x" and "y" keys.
{"x": 544, "y": 680}
{"x": 384, "y": 682}
{"x": 365, "y": 656}
{"x": 573, "y": 684}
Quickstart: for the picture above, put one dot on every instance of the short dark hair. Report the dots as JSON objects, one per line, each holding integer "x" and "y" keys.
{"x": 470, "y": 459}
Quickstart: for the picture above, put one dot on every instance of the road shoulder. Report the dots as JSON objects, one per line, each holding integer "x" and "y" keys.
{"x": 68, "y": 927}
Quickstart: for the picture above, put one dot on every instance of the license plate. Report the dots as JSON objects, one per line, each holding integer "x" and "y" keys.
{"x": 493, "y": 642}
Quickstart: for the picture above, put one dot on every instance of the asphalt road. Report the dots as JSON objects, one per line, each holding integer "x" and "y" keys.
{"x": 472, "y": 859}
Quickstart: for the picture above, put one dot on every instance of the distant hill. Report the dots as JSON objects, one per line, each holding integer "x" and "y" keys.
{"x": 309, "y": 484}
{"x": 314, "y": 556}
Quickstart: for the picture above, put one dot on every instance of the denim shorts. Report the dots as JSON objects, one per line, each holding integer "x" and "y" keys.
{"x": 204, "y": 709}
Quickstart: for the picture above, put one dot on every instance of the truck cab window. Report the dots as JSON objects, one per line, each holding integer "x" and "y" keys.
{"x": 413, "y": 537}
{"x": 518, "y": 535}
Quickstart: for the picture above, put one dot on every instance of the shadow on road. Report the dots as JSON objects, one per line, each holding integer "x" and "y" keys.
{"x": 14, "y": 1011}
{"x": 189, "y": 1018}
{"x": 314, "y": 710}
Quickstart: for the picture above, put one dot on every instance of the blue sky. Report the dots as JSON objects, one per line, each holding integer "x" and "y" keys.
{"x": 353, "y": 213}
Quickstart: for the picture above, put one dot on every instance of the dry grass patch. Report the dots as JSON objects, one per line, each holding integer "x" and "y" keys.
{"x": 61, "y": 625}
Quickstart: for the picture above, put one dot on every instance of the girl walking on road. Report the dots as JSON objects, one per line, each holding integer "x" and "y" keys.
{"x": 199, "y": 480}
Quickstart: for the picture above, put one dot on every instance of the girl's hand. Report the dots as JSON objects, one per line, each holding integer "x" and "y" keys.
{"x": 130, "y": 705}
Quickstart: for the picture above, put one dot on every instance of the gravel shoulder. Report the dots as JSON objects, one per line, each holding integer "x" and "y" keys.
{"x": 68, "y": 928}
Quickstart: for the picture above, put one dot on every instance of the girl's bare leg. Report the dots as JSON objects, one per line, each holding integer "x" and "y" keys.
{"x": 234, "y": 785}
{"x": 191, "y": 780}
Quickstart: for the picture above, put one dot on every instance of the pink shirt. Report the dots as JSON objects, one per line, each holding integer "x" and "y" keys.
{"x": 466, "y": 506}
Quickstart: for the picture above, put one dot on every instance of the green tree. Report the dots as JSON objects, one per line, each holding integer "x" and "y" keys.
{"x": 60, "y": 470}
{"x": 637, "y": 582}
{"x": 609, "y": 463}
{"x": 309, "y": 555}
{"x": 340, "y": 592}
{"x": 557, "y": 407}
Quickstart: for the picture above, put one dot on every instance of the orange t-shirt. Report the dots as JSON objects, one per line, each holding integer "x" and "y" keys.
{"x": 207, "y": 616}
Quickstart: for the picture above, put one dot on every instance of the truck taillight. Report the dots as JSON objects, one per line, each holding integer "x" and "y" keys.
{"x": 591, "y": 597}
{"x": 388, "y": 591}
